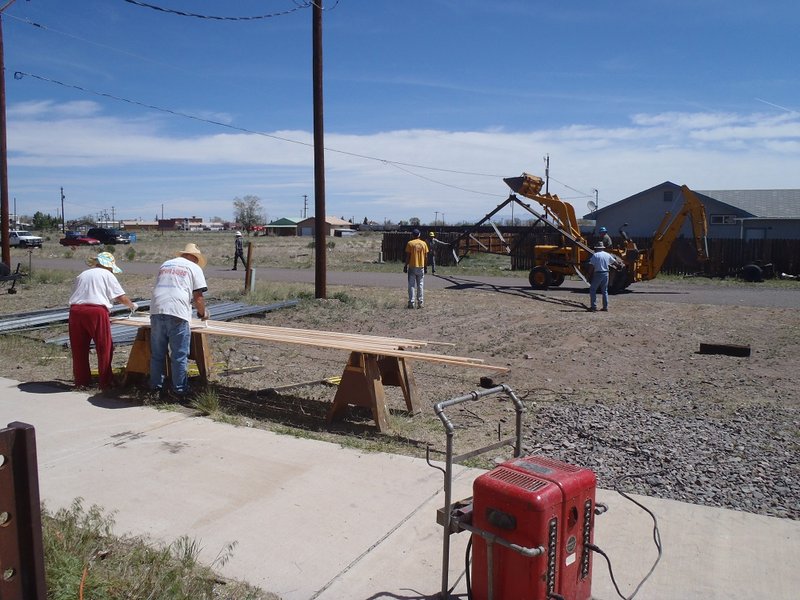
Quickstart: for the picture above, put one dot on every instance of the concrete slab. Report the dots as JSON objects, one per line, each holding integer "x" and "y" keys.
{"x": 313, "y": 520}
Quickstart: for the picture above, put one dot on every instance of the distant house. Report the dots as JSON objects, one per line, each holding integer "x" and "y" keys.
{"x": 182, "y": 224}
{"x": 284, "y": 226}
{"x": 308, "y": 226}
{"x": 137, "y": 225}
{"x": 738, "y": 214}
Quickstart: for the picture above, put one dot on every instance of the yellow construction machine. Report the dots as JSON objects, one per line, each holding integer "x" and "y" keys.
{"x": 552, "y": 263}
{"x": 571, "y": 254}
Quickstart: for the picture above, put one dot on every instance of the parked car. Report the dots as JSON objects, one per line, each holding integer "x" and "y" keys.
{"x": 108, "y": 235}
{"x": 76, "y": 238}
{"x": 23, "y": 239}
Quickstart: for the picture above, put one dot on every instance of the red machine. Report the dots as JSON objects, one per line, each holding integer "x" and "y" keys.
{"x": 528, "y": 503}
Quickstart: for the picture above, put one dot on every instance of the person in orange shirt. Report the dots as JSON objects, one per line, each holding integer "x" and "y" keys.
{"x": 416, "y": 267}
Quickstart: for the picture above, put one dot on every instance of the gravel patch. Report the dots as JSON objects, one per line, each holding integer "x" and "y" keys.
{"x": 748, "y": 461}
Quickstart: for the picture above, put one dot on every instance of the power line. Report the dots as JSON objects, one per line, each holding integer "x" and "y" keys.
{"x": 181, "y": 13}
{"x": 93, "y": 43}
{"x": 583, "y": 194}
{"x": 20, "y": 74}
{"x": 455, "y": 187}
{"x": 396, "y": 164}
{"x": 298, "y": 5}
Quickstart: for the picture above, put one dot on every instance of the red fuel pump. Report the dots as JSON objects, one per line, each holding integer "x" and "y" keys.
{"x": 533, "y": 502}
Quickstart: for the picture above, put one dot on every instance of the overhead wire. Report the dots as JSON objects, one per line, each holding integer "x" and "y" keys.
{"x": 298, "y": 6}
{"x": 91, "y": 42}
{"x": 20, "y": 74}
{"x": 181, "y": 13}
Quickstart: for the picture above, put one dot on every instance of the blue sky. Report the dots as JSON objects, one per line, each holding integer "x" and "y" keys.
{"x": 428, "y": 103}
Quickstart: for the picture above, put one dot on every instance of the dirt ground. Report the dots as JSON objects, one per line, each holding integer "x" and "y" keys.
{"x": 640, "y": 362}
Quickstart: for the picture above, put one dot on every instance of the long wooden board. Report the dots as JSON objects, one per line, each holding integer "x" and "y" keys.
{"x": 351, "y": 342}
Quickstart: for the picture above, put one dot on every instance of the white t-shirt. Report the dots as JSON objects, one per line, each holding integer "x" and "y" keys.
{"x": 96, "y": 286}
{"x": 601, "y": 261}
{"x": 177, "y": 279}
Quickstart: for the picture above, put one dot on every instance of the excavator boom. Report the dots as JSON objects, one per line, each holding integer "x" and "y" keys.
{"x": 530, "y": 186}
{"x": 670, "y": 228}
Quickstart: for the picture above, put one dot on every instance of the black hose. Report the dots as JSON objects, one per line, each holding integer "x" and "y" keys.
{"x": 468, "y": 578}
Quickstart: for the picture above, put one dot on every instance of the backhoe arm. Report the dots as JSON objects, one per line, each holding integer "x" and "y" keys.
{"x": 530, "y": 186}
{"x": 670, "y": 228}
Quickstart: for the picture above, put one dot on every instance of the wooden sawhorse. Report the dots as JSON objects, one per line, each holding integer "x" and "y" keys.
{"x": 139, "y": 358}
{"x": 362, "y": 385}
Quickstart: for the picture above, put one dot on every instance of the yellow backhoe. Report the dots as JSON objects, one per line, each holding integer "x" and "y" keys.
{"x": 570, "y": 256}
{"x": 552, "y": 263}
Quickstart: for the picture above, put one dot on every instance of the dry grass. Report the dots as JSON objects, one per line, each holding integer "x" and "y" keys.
{"x": 349, "y": 253}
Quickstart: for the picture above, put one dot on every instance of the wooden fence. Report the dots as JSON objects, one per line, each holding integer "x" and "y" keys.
{"x": 726, "y": 256}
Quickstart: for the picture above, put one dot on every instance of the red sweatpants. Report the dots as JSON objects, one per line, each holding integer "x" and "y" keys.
{"x": 87, "y": 323}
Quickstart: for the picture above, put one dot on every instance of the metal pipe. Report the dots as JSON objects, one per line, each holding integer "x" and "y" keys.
{"x": 495, "y": 539}
{"x": 438, "y": 409}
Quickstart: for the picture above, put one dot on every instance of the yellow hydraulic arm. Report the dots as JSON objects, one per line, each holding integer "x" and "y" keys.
{"x": 530, "y": 186}
{"x": 670, "y": 227}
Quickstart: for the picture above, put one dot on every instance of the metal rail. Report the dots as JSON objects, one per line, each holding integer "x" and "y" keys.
{"x": 439, "y": 408}
{"x": 223, "y": 311}
{"x": 51, "y": 316}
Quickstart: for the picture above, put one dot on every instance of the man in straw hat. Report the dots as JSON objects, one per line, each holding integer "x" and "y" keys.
{"x": 601, "y": 261}
{"x": 180, "y": 282}
{"x": 96, "y": 291}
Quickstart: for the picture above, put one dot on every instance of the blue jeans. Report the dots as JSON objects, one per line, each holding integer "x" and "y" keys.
{"x": 416, "y": 285}
{"x": 599, "y": 280}
{"x": 168, "y": 332}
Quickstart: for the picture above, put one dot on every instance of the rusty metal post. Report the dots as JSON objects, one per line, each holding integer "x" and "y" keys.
{"x": 248, "y": 268}
{"x": 21, "y": 550}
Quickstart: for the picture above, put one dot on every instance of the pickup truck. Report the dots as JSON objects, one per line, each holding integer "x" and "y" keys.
{"x": 23, "y": 239}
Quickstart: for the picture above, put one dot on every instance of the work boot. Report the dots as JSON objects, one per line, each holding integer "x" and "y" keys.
{"x": 410, "y": 305}
{"x": 592, "y": 309}
{"x": 420, "y": 305}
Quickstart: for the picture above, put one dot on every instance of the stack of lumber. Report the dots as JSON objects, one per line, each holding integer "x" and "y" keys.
{"x": 351, "y": 342}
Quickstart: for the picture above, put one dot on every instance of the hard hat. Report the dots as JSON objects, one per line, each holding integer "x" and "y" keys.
{"x": 603, "y": 230}
{"x": 430, "y": 233}
{"x": 238, "y": 234}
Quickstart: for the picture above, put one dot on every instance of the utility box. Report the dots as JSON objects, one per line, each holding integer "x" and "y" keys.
{"x": 528, "y": 502}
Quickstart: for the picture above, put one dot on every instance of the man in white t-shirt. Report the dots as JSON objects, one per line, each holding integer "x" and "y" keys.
{"x": 96, "y": 291}
{"x": 180, "y": 283}
{"x": 601, "y": 261}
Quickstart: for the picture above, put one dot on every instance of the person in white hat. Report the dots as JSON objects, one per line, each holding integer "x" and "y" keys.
{"x": 180, "y": 283}
{"x": 601, "y": 261}
{"x": 96, "y": 291}
{"x": 239, "y": 251}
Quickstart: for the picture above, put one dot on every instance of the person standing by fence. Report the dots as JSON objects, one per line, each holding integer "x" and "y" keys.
{"x": 431, "y": 251}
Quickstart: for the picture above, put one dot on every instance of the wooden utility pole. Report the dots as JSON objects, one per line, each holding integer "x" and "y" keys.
{"x": 6, "y": 248}
{"x": 320, "y": 273}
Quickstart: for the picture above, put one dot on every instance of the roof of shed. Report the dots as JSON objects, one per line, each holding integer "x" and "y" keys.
{"x": 760, "y": 203}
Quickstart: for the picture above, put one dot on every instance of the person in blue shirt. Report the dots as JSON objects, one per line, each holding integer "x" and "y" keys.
{"x": 601, "y": 262}
{"x": 605, "y": 238}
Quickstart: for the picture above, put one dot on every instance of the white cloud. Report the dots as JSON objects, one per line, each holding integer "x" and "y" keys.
{"x": 141, "y": 158}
